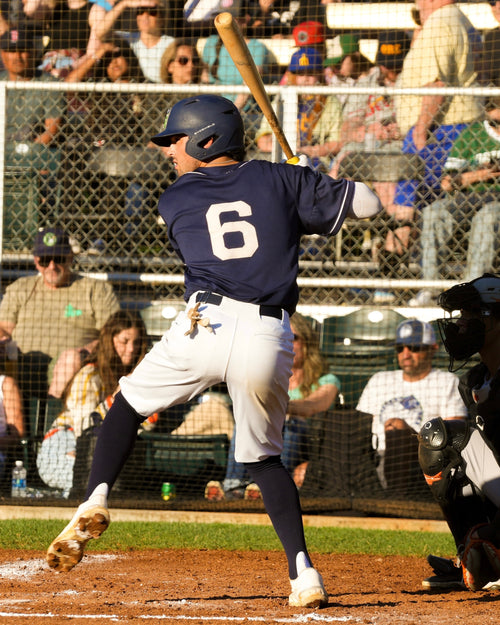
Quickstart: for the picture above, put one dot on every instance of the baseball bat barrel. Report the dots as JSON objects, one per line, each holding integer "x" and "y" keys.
{"x": 235, "y": 44}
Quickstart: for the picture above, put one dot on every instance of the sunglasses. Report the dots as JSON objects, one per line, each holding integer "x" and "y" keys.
{"x": 494, "y": 122}
{"x": 413, "y": 348}
{"x": 44, "y": 261}
{"x": 183, "y": 60}
{"x": 150, "y": 10}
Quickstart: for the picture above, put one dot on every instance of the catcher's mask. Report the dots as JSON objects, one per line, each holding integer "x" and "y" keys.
{"x": 481, "y": 297}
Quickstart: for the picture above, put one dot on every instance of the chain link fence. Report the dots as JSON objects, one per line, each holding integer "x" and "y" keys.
{"x": 101, "y": 181}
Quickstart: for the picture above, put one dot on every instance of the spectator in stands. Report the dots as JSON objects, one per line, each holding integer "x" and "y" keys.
{"x": 12, "y": 427}
{"x": 122, "y": 343}
{"x": 444, "y": 54}
{"x": 472, "y": 196}
{"x": 491, "y": 49}
{"x": 308, "y": 10}
{"x": 33, "y": 118}
{"x": 401, "y": 401}
{"x": 338, "y": 73}
{"x": 114, "y": 61}
{"x": 13, "y": 15}
{"x": 122, "y": 22}
{"x": 66, "y": 31}
{"x": 377, "y": 128}
{"x": 319, "y": 116}
{"x": 310, "y": 35}
{"x": 311, "y": 390}
{"x": 53, "y": 311}
{"x": 268, "y": 19}
{"x": 222, "y": 70}
{"x": 181, "y": 64}
{"x": 152, "y": 41}
{"x": 118, "y": 126}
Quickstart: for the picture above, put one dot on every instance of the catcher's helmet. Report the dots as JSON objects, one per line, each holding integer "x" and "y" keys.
{"x": 480, "y": 294}
{"x": 204, "y": 117}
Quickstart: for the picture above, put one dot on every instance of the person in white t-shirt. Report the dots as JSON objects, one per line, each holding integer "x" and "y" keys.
{"x": 152, "y": 43}
{"x": 401, "y": 401}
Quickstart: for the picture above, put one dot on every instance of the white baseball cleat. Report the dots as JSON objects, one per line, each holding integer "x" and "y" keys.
{"x": 308, "y": 590}
{"x": 67, "y": 549}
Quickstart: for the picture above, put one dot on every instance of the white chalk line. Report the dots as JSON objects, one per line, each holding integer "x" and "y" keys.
{"x": 302, "y": 618}
{"x": 27, "y": 569}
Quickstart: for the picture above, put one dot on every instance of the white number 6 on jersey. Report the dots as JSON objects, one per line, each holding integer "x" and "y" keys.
{"x": 217, "y": 230}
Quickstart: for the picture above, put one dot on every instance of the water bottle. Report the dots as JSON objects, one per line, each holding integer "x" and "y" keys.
{"x": 18, "y": 480}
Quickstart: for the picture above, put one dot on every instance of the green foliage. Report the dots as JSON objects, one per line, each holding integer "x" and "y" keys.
{"x": 33, "y": 534}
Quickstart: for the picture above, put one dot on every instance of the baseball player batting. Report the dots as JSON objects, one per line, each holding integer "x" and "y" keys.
{"x": 236, "y": 225}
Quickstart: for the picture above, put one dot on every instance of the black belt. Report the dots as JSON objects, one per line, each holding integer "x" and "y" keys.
{"x": 264, "y": 310}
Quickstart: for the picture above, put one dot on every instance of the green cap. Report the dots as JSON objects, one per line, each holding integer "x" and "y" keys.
{"x": 340, "y": 47}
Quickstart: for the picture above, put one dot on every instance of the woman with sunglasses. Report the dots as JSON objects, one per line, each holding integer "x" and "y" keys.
{"x": 181, "y": 64}
{"x": 311, "y": 391}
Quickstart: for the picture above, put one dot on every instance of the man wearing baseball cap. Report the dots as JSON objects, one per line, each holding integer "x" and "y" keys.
{"x": 28, "y": 110}
{"x": 319, "y": 117}
{"x": 53, "y": 311}
{"x": 401, "y": 401}
{"x": 33, "y": 117}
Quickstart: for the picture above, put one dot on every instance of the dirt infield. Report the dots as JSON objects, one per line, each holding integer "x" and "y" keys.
{"x": 204, "y": 587}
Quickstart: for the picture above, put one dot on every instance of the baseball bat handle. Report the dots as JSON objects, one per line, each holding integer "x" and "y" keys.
{"x": 235, "y": 44}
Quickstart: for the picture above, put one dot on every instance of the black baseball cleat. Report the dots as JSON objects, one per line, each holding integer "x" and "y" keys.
{"x": 447, "y": 575}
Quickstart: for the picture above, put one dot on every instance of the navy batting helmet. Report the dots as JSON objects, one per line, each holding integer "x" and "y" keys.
{"x": 204, "y": 117}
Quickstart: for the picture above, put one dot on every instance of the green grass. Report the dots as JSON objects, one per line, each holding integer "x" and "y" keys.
{"x": 123, "y": 536}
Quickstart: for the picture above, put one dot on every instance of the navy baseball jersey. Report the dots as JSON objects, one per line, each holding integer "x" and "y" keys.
{"x": 247, "y": 248}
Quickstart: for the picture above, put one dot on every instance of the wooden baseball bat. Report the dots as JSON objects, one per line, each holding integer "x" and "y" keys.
{"x": 235, "y": 44}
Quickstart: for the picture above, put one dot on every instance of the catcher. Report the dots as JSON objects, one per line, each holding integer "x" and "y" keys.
{"x": 461, "y": 460}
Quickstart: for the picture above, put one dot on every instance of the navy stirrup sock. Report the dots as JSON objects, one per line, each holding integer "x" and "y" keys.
{"x": 115, "y": 443}
{"x": 281, "y": 500}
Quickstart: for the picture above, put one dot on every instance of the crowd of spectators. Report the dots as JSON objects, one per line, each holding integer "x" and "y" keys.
{"x": 150, "y": 41}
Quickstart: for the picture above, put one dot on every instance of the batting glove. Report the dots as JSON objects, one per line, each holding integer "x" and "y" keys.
{"x": 301, "y": 160}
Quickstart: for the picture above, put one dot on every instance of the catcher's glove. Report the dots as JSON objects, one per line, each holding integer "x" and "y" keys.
{"x": 480, "y": 560}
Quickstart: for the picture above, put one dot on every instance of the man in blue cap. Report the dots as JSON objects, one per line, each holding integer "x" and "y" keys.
{"x": 401, "y": 401}
{"x": 319, "y": 117}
